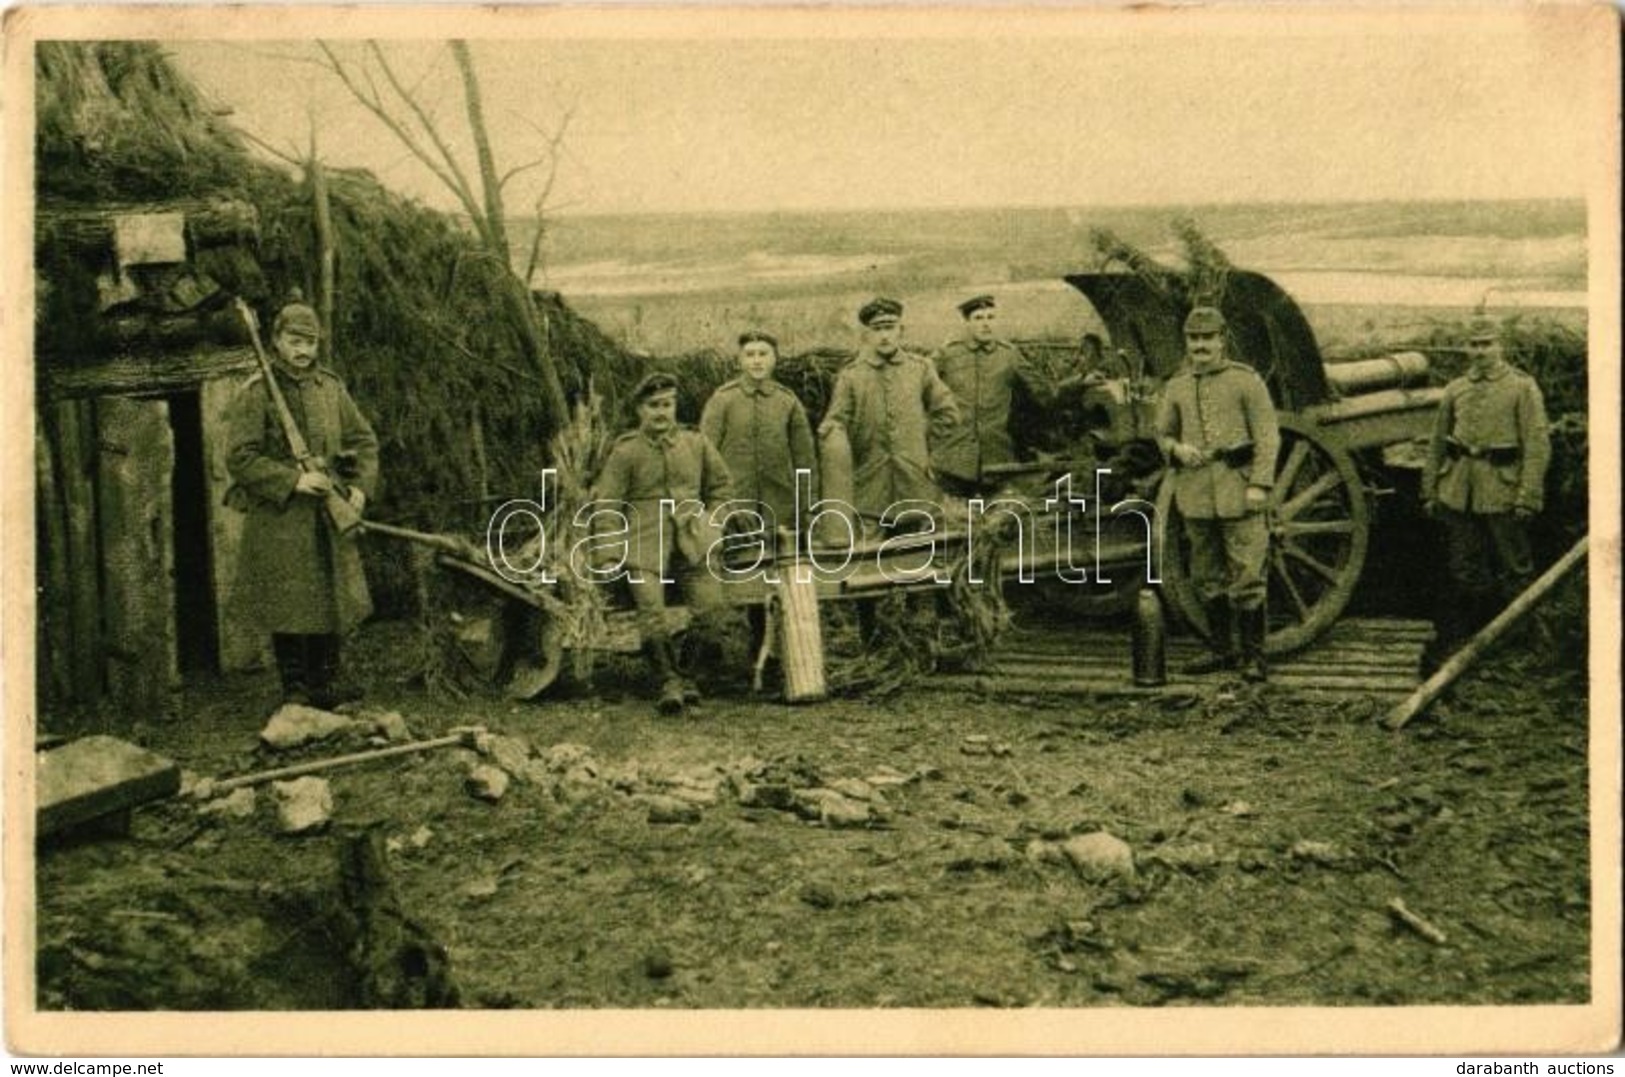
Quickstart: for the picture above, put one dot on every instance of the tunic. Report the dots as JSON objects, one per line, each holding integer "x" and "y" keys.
{"x": 1217, "y": 409}
{"x": 763, "y": 434}
{"x": 888, "y": 408}
{"x": 294, "y": 574}
{"x": 641, "y": 471}
{"x": 983, "y": 381}
{"x": 1497, "y": 420}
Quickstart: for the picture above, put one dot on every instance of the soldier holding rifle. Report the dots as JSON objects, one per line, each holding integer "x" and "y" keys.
{"x": 1218, "y": 427}
{"x": 1485, "y": 479}
{"x": 303, "y": 461}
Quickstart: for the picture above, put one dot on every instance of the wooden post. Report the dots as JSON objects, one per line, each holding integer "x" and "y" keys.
{"x": 136, "y": 522}
{"x": 1430, "y": 689}
{"x": 324, "y": 247}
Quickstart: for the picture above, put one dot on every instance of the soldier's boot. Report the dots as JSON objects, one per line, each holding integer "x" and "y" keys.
{"x": 658, "y": 650}
{"x": 1221, "y": 654}
{"x": 329, "y": 687}
{"x": 1253, "y": 626}
{"x": 290, "y": 667}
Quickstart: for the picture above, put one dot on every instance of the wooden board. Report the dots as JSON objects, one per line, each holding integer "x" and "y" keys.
{"x": 1359, "y": 657}
{"x": 241, "y": 646}
{"x": 75, "y": 427}
{"x": 95, "y": 777}
{"x": 135, "y": 517}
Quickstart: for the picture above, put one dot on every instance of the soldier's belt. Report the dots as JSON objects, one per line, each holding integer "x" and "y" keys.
{"x": 1495, "y": 455}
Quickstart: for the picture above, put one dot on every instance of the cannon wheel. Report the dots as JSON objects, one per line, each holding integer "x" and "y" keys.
{"x": 1320, "y": 527}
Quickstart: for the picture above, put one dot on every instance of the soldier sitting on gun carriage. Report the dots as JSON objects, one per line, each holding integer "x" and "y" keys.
{"x": 1218, "y": 426}
{"x": 664, "y": 480}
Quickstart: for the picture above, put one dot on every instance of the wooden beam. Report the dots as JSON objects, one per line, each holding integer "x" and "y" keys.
{"x": 154, "y": 375}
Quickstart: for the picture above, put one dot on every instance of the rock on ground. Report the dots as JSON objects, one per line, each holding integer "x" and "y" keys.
{"x": 294, "y": 724}
{"x": 303, "y": 806}
{"x": 1099, "y": 855}
{"x": 486, "y": 782}
{"x": 665, "y": 809}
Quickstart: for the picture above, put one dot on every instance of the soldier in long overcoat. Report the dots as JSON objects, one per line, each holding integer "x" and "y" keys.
{"x": 1217, "y": 425}
{"x": 763, "y": 434}
{"x": 296, "y": 577}
{"x": 890, "y": 404}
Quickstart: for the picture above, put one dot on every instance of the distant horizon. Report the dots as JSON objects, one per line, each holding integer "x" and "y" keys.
{"x": 1262, "y": 203}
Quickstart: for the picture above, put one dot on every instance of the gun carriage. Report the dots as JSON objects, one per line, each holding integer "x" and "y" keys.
{"x": 1348, "y": 432}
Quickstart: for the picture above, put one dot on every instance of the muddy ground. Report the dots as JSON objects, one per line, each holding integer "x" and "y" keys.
{"x": 640, "y": 861}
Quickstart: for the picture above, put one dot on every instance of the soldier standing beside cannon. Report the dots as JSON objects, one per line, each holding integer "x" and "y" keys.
{"x": 1485, "y": 479}
{"x": 660, "y": 462}
{"x": 298, "y": 578}
{"x": 1217, "y": 424}
{"x": 982, "y": 372}
{"x": 887, "y": 403}
{"x": 762, "y": 432}
{"x": 884, "y": 409}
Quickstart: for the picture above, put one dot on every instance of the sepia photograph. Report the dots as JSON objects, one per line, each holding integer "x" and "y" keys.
{"x": 812, "y": 530}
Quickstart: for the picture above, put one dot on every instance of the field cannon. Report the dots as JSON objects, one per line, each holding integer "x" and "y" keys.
{"x": 1347, "y": 431}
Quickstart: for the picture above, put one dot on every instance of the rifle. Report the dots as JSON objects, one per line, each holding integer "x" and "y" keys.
{"x": 340, "y": 513}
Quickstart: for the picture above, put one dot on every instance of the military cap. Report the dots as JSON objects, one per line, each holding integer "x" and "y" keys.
{"x": 880, "y": 309}
{"x": 752, "y": 336}
{"x": 297, "y": 318}
{"x": 974, "y": 304}
{"x": 1204, "y": 320}
{"x": 1482, "y": 328}
{"x": 657, "y": 382}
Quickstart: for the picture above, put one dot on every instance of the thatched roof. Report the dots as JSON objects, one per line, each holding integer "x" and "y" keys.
{"x": 117, "y": 123}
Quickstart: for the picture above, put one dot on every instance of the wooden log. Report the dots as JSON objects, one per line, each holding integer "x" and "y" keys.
{"x": 1463, "y": 659}
{"x": 98, "y": 776}
{"x": 208, "y": 223}
{"x": 135, "y": 519}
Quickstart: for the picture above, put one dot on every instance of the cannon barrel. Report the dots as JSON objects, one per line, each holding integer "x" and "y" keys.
{"x": 1386, "y": 372}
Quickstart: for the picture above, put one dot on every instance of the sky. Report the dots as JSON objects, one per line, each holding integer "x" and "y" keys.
{"x": 833, "y": 112}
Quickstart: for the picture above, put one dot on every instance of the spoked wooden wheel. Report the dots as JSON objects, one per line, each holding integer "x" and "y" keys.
{"x": 1320, "y": 527}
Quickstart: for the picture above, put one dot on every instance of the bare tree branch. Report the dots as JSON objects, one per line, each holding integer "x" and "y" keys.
{"x": 463, "y": 190}
{"x": 370, "y": 99}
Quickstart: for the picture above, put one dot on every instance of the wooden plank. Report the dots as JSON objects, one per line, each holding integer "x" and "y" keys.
{"x": 241, "y": 646}
{"x": 53, "y": 612}
{"x": 136, "y": 523}
{"x": 75, "y": 425}
{"x": 1064, "y": 686}
{"x": 98, "y": 776}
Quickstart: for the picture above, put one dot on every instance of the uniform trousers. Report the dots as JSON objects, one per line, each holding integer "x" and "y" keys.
{"x": 1227, "y": 558}
{"x": 1487, "y": 553}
